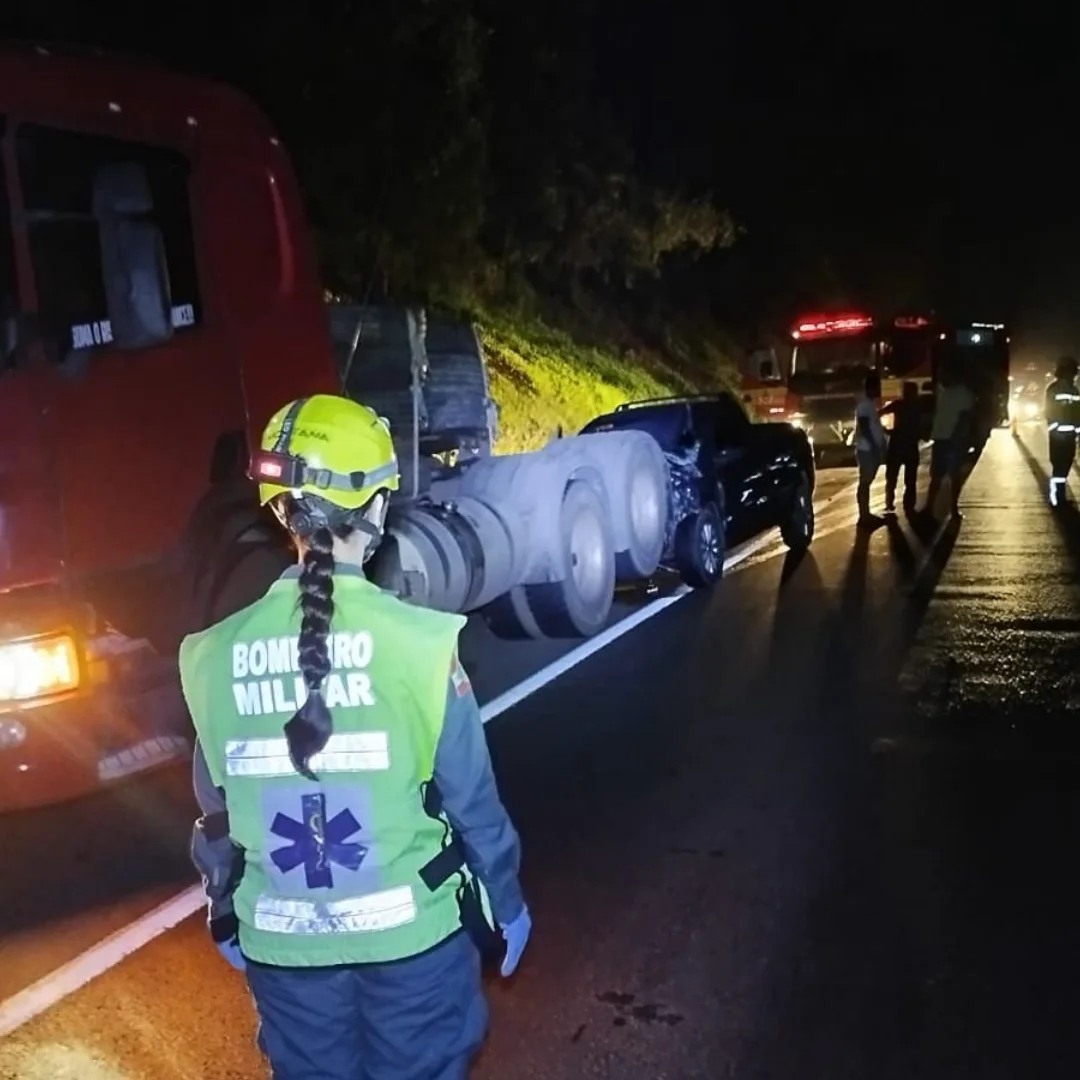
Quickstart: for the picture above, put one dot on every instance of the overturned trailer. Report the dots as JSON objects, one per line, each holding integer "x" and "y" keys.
{"x": 534, "y": 542}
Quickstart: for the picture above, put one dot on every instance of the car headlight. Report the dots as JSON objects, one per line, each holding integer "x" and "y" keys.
{"x": 38, "y": 667}
{"x": 797, "y": 420}
{"x": 1031, "y": 410}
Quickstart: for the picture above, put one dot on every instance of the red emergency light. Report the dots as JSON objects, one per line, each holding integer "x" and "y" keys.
{"x": 811, "y": 326}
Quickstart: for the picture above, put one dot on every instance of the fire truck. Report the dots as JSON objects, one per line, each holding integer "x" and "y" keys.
{"x": 159, "y": 300}
{"x": 831, "y": 354}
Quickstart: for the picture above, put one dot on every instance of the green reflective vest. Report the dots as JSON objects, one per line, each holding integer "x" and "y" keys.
{"x": 331, "y": 867}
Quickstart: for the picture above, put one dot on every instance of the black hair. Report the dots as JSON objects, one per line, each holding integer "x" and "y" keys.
{"x": 315, "y": 523}
{"x": 312, "y": 725}
{"x": 872, "y": 384}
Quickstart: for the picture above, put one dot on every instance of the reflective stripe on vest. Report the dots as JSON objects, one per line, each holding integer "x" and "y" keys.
{"x": 358, "y": 914}
{"x": 353, "y": 751}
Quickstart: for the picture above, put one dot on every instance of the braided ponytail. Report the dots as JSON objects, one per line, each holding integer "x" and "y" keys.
{"x": 310, "y": 729}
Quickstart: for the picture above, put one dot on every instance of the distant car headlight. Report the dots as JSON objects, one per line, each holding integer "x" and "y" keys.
{"x": 797, "y": 420}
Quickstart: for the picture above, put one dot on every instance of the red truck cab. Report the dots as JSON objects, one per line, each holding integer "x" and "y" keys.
{"x": 158, "y": 300}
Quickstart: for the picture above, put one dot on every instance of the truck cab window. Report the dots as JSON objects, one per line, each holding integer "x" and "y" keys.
{"x": 111, "y": 239}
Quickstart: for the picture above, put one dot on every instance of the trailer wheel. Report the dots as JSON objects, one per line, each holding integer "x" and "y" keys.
{"x": 579, "y": 604}
{"x": 699, "y": 548}
{"x": 510, "y": 617}
{"x": 797, "y": 528}
{"x": 642, "y": 502}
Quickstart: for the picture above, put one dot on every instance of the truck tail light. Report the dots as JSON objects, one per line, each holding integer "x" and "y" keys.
{"x": 38, "y": 667}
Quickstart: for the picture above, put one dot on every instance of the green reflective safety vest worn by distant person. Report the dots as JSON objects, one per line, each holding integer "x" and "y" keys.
{"x": 331, "y": 873}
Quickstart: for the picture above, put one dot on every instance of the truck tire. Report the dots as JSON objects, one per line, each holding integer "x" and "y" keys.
{"x": 578, "y": 605}
{"x": 797, "y": 527}
{"x": 500, "y": 548}
{"x": 510, "y": 617}
{"x": 699, "y": 548}
{"x": 639, "y": 495}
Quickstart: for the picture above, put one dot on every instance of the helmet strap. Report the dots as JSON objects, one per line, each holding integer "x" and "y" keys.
{"x": 303, "y": 515}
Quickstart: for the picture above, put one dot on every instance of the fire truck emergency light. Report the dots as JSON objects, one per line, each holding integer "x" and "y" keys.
{"x": 825, "y": 325}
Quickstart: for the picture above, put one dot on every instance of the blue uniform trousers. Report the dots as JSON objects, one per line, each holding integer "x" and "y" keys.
{"x": 417, "y": 1019}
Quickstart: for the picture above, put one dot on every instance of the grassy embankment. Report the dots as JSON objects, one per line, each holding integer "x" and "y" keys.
{"x": 543, "y": 377}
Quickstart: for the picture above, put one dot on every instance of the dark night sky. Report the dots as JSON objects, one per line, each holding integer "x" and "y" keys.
{"x": 939, "y": 145}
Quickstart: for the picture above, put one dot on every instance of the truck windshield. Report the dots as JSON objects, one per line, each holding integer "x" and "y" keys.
{"x": 834, "y": 356}
{"x": 906, "y": 352}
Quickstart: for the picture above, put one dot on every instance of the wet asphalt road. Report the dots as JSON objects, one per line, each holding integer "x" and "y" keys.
{"x": 818, "y": 823}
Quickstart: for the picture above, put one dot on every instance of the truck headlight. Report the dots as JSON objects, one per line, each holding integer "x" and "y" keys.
{"x": 38, "y": 667}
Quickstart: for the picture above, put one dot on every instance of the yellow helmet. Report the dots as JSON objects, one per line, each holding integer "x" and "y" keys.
{"x": 326, "y": 446}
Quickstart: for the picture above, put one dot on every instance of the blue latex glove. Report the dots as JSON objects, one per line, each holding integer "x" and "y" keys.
{"x": 230, "y": 950}
{"x": 516, "y": 934}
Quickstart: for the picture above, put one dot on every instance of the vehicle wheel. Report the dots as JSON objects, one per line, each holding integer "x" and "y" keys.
{"x": 797, "y": 529}
{"x": 699, "y": 548}
{"x": 510, "y": 617}
{"x": 579, "y": 604}
{"x": 643, "y": 500}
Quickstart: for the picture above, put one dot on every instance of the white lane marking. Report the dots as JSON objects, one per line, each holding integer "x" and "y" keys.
{"x": 72, "y": 976}
{"x": 593, "y": 645}
{"x": 67, "y": 979}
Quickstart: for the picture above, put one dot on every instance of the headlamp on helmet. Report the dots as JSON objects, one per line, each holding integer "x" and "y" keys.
{"x": 291, "y": 471}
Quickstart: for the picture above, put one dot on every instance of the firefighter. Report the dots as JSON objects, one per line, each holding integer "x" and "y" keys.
{"x": 352, "y": 840}
{"x": 1062, "y": 424}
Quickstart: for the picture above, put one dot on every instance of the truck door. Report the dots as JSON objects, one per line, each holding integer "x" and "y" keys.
{"x": 139, "y": 385}
{"x": 31, "y": 540}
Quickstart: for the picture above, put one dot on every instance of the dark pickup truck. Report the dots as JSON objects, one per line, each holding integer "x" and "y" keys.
{"x": 730, "y": 478}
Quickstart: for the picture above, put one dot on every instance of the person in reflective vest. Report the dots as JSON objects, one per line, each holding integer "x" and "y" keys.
{"x": 352, "y": 841}
{"x": 1062, "y": 425}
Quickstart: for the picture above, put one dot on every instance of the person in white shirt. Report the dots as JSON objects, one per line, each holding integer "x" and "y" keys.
{"x": 954, "y": 408}
{"x": 869, "y": 447}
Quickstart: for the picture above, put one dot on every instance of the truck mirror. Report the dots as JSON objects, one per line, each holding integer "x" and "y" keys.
{"x": 134, "y": 268}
